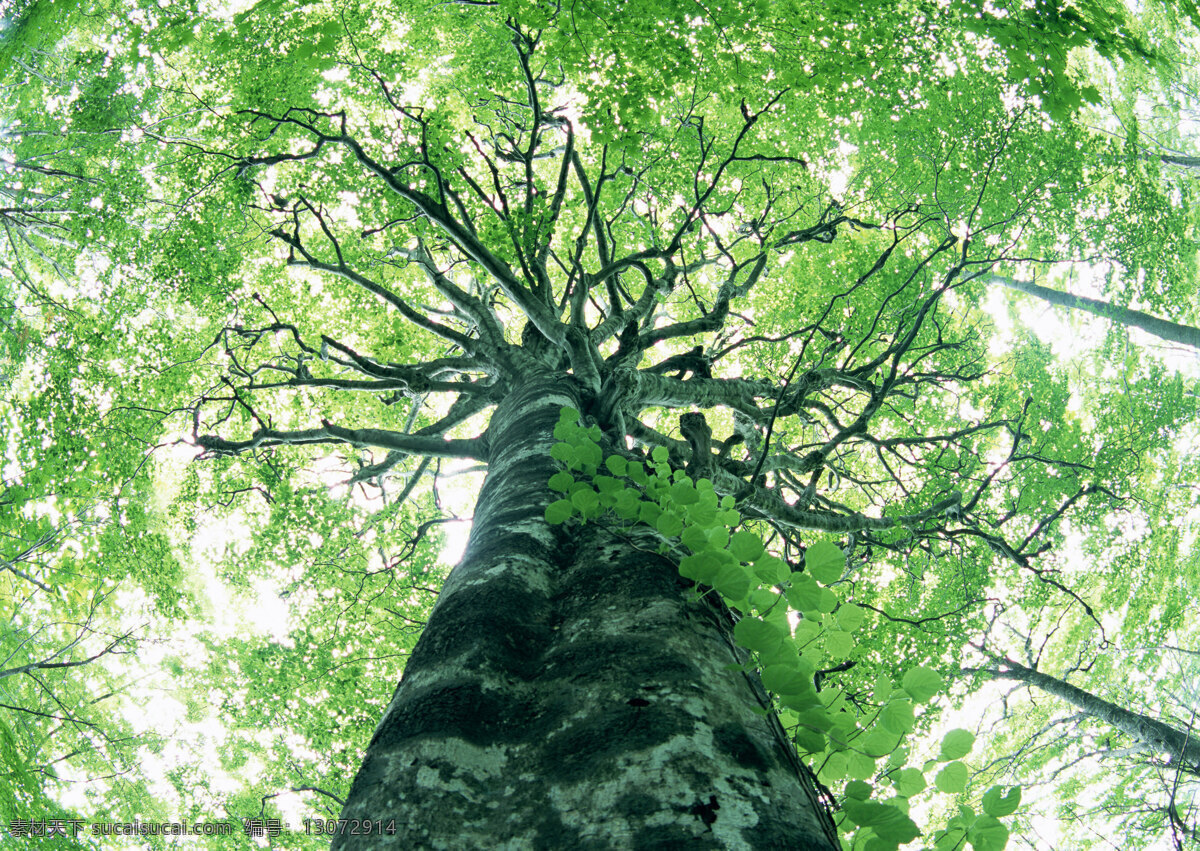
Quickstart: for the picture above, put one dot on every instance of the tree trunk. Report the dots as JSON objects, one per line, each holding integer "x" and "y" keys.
{"x": 1187, "y": 335}
{"x": 1183, "y": 748}
{"x": 568, "y": 692}
{"x": 1180, "y": 160}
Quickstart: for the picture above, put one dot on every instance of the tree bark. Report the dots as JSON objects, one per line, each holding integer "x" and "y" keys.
{"x": 1187, "y": 335}
{"x": 569, "y": 692}
{"x": 1183, "y": 748}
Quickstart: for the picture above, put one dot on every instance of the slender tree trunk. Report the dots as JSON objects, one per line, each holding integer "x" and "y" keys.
{"x": 1187, "y": 335}
{"x": 1180, "y": 160}
{"x": 568, "y": 692}
{"x": 1183, "y": 748}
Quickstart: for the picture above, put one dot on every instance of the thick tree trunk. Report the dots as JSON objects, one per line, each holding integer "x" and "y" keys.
{"x": 569, "y": 693}
{"x": 1187, "y": 335}
{"x": 1182, "y": 748}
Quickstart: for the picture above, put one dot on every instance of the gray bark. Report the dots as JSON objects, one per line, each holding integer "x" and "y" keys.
{"x": 1183, "y": 748}
{"x": 569, "y": 692}
{"x": 1180, "y": 160}
{"x": 1165, "y": 329}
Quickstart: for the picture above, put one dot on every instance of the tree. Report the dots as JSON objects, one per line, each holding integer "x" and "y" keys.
{"x": 528, "y": 226}
{"x": 1150, "y": 733}
{"x": 1124, "y": 760}
{"x": 1187, "y": 335}
{"x": 602, "y": 259}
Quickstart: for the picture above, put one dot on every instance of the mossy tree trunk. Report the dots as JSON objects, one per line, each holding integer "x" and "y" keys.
{"x": 569, "y": 691}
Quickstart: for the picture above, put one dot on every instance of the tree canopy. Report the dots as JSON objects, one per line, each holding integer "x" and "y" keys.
{"x": 813, "y": 272}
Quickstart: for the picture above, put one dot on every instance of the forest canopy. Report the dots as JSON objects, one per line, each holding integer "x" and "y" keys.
{"x": 863, "y": 334}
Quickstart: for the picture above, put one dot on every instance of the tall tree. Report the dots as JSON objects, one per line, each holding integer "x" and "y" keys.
{"x": 1120, "y": 753}
{"x": 1187, "y": 335}
{"x": 562, "y": 272}
{"x": 1180, "y": 745}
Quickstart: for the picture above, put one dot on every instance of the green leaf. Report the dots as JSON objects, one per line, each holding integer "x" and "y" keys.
{"x": 987, "y": 834}
{"x": 800, "y": 703}
{"x": 764, "y": 599}
{"x": 702, "y": 514}
{"x": 898, "y": 828}
{"x": 660, "y": 454}
{"x": 824, "y": 562}
{"x": 589, "y": 456}
{"x": 859, "y": 765}
{"x": 745, "y": 546}
{"x": 888, "y": 822}
{"x": 784, "y": 654}
{"x": 897, "y": 758}
{"x": 808, "y": 740}
{"x": 952, "y": 778}
{"x": 565, "y": 431}
{"x": 898, "y": 716}
{"x": 998, "y": 804}
{"x": 818, "y": 717}
{"x": 786, "y": 679}
{"x": 883, "y": 688}
{"x": 559, "y": 511}
{"x": 956, "y": 744}
{"x": 607, "y": 484}
{"x": 669, "y": 524}
{"x": 649, "y": 513}
{"x": 733, "y": 582}
{"x": 839, "y": 645}
{"x": 879, "y": 742}
{"x": 562, "y": 481}
{"x": 754, "y": 633}
{"x": 922, "y": 684}
{"x": 807, "y": 630}
{"x": 950, "y": 840}
{"x": 718, "y": 537}
{"x": 804, "y": 595}
{"x": 586, "y": 500}
{"x": 616, "y": 465}
{"x": 628, "y": 504}
{"x": 729, "y": 517}
{"x": 684, "y": 493}
{"x": 771, "y": 570}
{"x": 701, "y": 567}
{"x": 850, "y": 617}
{"x": 859, "y": 790}
{"x": 834, "y": 768}
{"x": 909, "y": 782}
{"x": 694, "y": 538}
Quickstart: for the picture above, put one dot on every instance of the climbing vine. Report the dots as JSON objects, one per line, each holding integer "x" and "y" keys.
{"x": 793, "y": 624}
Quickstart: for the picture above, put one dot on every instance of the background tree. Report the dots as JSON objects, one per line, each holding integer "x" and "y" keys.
{"x": 1138, "y": 734}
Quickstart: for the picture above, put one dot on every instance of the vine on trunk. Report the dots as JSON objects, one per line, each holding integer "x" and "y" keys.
{"x": 794, "y": 625}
